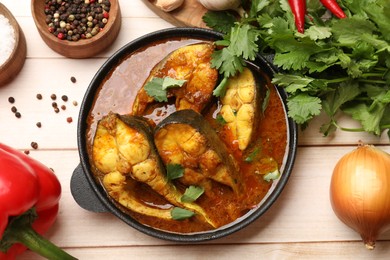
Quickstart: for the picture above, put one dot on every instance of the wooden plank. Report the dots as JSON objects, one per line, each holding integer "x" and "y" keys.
{"x": 301, "y": 214}
{"x": 331, "y": 250}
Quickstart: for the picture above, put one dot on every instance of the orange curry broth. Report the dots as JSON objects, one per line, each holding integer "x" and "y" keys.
{"x": 117, "y": 94}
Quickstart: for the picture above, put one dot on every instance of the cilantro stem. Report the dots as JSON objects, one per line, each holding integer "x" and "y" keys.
{"x": 338, "y": 80}
{"x": 348, "y": 129}
{"x": 364, "y": 76}
{"x": 382, "y": 127}
{"x": 372, "y": 74}
{"x": 373, "y": 81}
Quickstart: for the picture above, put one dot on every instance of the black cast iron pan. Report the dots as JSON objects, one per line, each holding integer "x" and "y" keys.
{"x": 91, "y": 196}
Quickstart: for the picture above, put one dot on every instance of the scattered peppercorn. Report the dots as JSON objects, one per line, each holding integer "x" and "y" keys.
{"x": 18, "y": 115}
{"x": 53, "y": 96}
{"x": 64, "y": 98}
{"x": 73, "y": 20}
{"x": 39, "y": 124}
{"x": 63, "y": 107}
{"x": 39, "y": 96}
{"x": 75, "y": 103}
{"x": 54, "y": 104}
{"x": 27, "y": 152}
{"x": 11, "y": 100}
{"x": 34, "y": 145}
{"x": 69, "y": 119}
{"x": 73, "y": 79}
{"x": 14, "y": 109}
{"x": 57, "y": 110}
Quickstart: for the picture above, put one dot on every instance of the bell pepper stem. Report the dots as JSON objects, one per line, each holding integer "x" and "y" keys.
{"x": 40, "y": 245}
{"x": 19, "y": 230}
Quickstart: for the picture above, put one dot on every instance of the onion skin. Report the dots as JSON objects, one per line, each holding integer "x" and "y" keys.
{"x": 360, "y": 192}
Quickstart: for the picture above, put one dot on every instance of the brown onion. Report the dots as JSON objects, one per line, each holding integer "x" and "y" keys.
{"x": 360, "y": 192}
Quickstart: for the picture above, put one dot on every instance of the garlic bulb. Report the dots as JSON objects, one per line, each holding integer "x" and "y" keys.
{"x": 169, "y": 5}
{"x": 221, "y": 5}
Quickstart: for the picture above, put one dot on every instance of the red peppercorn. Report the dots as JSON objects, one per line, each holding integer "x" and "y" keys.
{"x": 106, "y": 15}
{"x": 61, "y": 36}
{"x": 51, "y": 29}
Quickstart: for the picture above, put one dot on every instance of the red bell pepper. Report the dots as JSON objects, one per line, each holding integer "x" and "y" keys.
{"x": 29, "y": 196}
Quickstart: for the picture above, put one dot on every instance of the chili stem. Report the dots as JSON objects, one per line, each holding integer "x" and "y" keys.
{"x": 35, "y": 242}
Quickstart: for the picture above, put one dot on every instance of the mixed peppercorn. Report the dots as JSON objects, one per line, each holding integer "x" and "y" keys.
{"x": 73, "y": 20}
{"x": 54, "y": 105}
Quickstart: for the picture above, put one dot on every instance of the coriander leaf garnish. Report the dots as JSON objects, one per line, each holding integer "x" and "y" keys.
{"x": 181, "y": 214}
{"x": 169, "y": 82}
{"x": 251, "y": 156}
{"x": 272, "y": 175}
{"x": 174, "y": 171}
{"x": 220, "y": 90}
{"x": 192, "y": 193}
{"x": 157, "y": 87}
{"x": 220, "y": 119}
{"x": 154, "y": 89}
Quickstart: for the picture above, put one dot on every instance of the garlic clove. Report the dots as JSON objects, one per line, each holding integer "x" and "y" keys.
{"x": 169, "y": 5}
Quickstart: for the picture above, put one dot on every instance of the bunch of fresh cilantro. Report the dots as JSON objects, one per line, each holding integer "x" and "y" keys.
{"x": 336, "y": 65}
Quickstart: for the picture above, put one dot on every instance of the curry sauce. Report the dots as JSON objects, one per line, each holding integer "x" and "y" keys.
{"x": 265, "y": 152}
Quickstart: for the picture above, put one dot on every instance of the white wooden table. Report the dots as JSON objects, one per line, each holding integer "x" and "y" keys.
{"x": 300, "y": 225}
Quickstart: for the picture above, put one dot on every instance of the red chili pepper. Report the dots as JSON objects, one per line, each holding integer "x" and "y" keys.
{"x": 333, "y": 6}
{"x": 298, "y": 8}
{"x": 29, "y": 196}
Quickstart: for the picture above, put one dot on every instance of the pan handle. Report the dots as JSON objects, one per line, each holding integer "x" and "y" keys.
{"x": 83, "y": 193}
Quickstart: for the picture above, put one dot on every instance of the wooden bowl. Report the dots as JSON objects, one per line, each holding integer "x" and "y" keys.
{"x": 12, "y": 66}
{"x": 83, "y": 48}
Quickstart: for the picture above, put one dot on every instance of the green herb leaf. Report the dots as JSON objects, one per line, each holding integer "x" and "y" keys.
{"x": 303, "y": 107}
{"x": 265, "y": 103}
{"x": 220, "y": 119}
{"x": 220, "y": 90}
{"x": 169, "y": 82}
{"x": 251, "y": 156}
{"x": 227, "y": 62}
{"x": 154, "y": 89}
{"x": 174, "y": 171}
{"x": 181, "y": 214}
{"x": 192, "y": 193}
{"x": 243, "y": 41}
{"x": 318, "y": 32}
{"x": 220, "y": 21}
{"x": 157, "y": 87}
{"x": 271, "y": 176}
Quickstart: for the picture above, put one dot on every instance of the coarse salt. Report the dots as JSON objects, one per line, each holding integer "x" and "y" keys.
{"x": 7, "y": 43}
